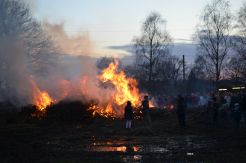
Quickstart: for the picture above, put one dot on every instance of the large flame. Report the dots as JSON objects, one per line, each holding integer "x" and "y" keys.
{"x": 41, "y": 99}
{"x": 119, "y": 90}
{"x": 125, "y": 90}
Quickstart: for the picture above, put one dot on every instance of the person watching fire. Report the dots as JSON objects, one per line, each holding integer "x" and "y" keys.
{"x": 145, "y": 110}
{"x": 128, "y": 115}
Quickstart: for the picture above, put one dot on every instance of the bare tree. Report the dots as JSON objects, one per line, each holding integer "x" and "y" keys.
{"x": 213, "y": 36}
{"x": 201, "y": 69}
{"x": 169, "y": 68}
{"x": 240, "y": 41}
{"x": 237, "y": 65}
{"x": 17, "y": 24}
{"x": 236, "y": 68}
{"x": 152, "y": 44}
{"x": 24, "y": 48}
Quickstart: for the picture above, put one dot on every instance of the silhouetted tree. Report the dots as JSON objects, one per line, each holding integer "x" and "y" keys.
{"x": 236, "y": 68}
{"x": 240, "y": 44}
{"x": 18, "y": 25}
{"x": 152, "y": 44}
{"x": 237, "y": 65}
{"x": 24, "y": 47}
{"x": 213, "y": 36}
{"x": 168, "y": 68}
{"x": 201, "y": 69}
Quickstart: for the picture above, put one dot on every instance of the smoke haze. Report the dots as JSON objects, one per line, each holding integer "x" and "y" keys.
{"x": 68, "y": 66}
{"x": 79, "y": 44}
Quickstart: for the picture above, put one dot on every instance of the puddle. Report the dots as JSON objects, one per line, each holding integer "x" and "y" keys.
{"x": 137, "y": 150}
{"x": 168, "y": 145}
{"x": 107, "y": 149}
{"x": 134, "y": 158}
{"x": 155, "y": 149}
{"x": 129, "y": 149}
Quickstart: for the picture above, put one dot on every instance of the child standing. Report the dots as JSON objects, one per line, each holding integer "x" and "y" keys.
{"x": 128, "y": 115}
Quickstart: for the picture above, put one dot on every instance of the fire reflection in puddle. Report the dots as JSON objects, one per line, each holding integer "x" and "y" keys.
{"x": 134, "y": 158}
{"x": 129, "y": 153}
{"x": 128, "y": 149}
{"x": 108, "y": 149}
{"x": 136, "y": 148}
{"x": 133, "y": 150}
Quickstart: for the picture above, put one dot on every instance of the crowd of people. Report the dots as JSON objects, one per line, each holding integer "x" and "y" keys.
{"x": 229, "y": 106}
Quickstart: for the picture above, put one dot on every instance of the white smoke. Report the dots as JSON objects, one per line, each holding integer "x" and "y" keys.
{"x": 79, "y": 44}
{"x": 72, "y": 73}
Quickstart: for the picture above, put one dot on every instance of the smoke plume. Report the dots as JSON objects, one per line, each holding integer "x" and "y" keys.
{"x": 79, "y": 44}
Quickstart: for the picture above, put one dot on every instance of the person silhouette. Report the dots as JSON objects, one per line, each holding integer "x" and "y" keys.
{"x": 128, "y": 115}
{"x": 180, "y": 108}
{"x": 145, "y": 110}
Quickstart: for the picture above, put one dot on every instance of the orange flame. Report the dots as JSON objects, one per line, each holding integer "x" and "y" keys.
{"x": 41, "y": 99}
{"x": 125, "y": 90}
{"x": 107, "y": 112}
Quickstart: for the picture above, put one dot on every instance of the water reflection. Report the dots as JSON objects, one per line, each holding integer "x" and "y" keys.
{"x": 142, "y": 150}
{"x": 108, "y": 149}
{"x": 134, "y": 158}
{"x": 126, "y": 147}
{"x": 136, "y": 148}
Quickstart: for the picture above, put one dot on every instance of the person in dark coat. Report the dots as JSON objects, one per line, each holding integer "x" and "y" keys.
{"x": 236, "y": 115}
{"x": 243, "y": 107}
{"x": 145, "y": 110}
{"x": 223, "y": 110}
{"x": 215, "y": 108}
{"x": 180, "y": 108}
{"x": 128, "y": 115}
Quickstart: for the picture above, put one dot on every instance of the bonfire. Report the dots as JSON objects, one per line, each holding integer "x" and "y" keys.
{"x": 125, "y": 89}
{"x": 122, "y": 89}
{"x": 41, "y": 99}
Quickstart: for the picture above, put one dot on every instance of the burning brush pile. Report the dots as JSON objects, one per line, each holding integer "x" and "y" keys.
{"x": 114, "y": 90}
{"x": 125, "y": 89}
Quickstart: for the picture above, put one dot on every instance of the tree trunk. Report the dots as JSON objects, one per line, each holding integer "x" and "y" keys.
{"x": 151, "y": 62}
{"x": 217, "y": 74}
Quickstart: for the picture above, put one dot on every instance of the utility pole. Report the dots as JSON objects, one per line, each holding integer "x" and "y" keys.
{"x": 183, "y": 67}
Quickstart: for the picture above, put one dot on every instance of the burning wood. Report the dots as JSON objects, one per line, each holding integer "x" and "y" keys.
{"x": 111, "y": 105}
{"x": 107, "y": 112}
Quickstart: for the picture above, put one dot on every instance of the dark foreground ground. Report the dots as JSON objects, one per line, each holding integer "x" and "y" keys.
{"x": 101, "y": 140}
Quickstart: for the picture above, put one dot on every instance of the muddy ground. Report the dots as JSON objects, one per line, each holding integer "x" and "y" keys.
{"x": 100, "y": 140}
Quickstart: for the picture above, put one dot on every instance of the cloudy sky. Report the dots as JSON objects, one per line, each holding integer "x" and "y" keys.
{"x": 116, "y": 22}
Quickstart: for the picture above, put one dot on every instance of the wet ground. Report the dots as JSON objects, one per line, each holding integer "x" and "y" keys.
{"x": 152, "y": 148}
{"x": 108, "y": 141}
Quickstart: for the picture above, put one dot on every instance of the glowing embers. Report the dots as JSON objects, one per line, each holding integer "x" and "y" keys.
{"x": 107, "y": 111}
